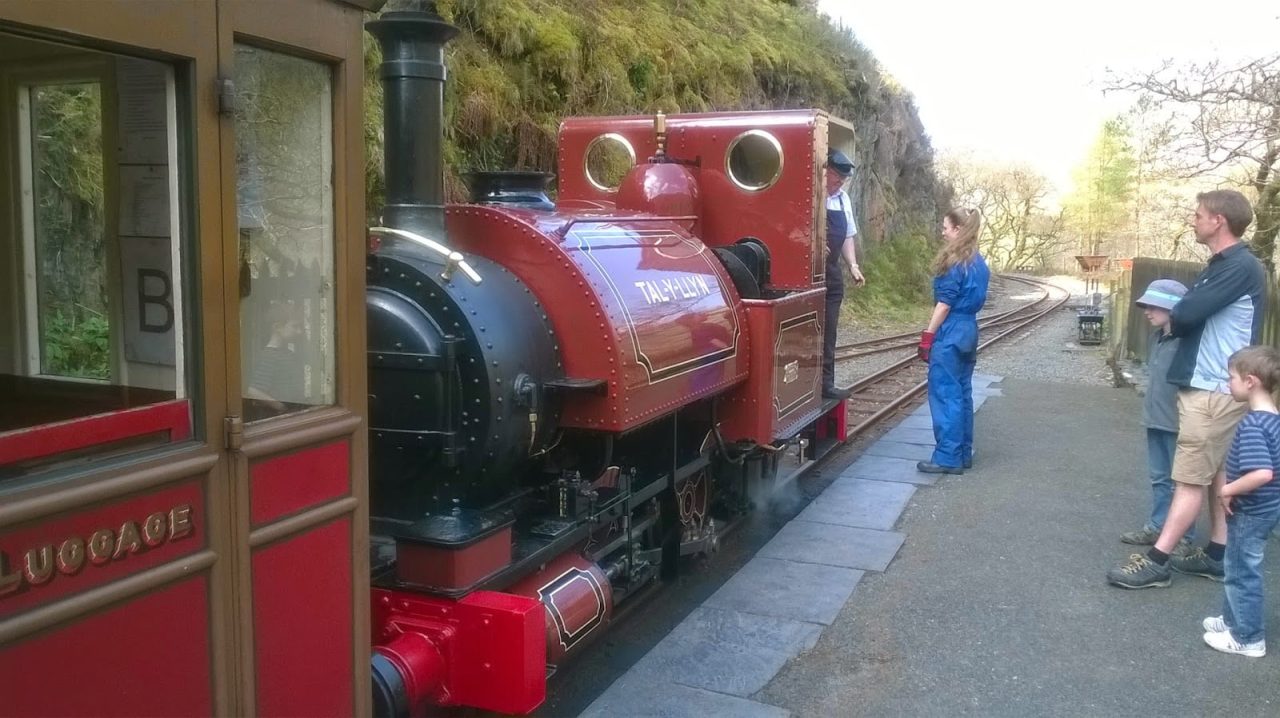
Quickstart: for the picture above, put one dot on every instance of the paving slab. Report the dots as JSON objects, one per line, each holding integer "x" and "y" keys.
{"x": 729, "y": 652}
{"x": 832, "y": 545}
{"x": 859, "y": 502}
{"x": 899, "y": 450}
{"x": 986, "y": 378}
{"x": 886, "y": 468}
{"x": 917, "y": 421}
{"x": 787, "y": 589}
{"x": 908, "y": 435}
{"x": 635, "y": 695}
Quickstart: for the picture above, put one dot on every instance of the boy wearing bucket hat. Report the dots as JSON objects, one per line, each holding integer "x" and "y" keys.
{"x": 1159, "y": 408}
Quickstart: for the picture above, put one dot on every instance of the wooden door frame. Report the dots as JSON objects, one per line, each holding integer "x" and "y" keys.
{"x": 175, "y": 32}
{"x": 323, "y": 32}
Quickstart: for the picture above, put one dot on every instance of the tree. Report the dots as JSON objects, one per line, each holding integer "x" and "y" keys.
{"x": 1161, "y": 202}
{"x": 1225, "y": 121}
{"x": 1098, "y": 209}
{"x": 1019, "y": 230}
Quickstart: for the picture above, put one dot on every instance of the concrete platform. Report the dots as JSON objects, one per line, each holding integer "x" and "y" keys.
{"x": 997, "y": 603}
{"x": 895, "y": 593}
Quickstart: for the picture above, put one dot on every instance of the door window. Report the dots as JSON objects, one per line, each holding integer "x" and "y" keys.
{"x": 284, "y": 193}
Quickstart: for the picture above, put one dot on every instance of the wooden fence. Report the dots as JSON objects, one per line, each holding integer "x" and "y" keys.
{"x": 1130, "y": 330}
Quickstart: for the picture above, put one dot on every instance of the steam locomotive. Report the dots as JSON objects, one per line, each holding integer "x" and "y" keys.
{"x": 566, "y": 398}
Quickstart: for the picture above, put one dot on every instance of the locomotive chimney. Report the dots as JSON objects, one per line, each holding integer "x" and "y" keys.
{"x": 413, "y": 77}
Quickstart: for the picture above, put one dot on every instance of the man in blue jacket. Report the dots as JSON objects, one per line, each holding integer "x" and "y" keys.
{"x": 1221, "y": 314}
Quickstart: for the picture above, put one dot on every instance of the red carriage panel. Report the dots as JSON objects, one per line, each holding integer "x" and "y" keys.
{"x": 284, "y": 485}
{"x": 786, "y": 215}
{"x": 61, "y": 557}
{"x": 170, "y": 419}
{"x": 303, "y": 624}
{"x": 639, "y": 306}
{"x": 147, "y": 656}
{"x": 784, "y": 392}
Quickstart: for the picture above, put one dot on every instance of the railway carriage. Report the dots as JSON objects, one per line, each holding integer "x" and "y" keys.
{"x": 257, "y": 458}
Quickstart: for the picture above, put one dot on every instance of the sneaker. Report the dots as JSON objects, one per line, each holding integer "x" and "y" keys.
{"x": 1184, "y": 548}
{"x": 1224, "y": 642}
{"x": 1214, "y": 624}
{"x": 1143, "y": 537}
{"x": 1139, "y": 572}
{"x": 1197, "y": 563}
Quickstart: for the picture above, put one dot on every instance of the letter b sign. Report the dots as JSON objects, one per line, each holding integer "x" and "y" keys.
{"x": 155, "y": 301}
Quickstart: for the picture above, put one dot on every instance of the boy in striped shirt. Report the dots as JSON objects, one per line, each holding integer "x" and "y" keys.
{"x": 1251, "y": 498}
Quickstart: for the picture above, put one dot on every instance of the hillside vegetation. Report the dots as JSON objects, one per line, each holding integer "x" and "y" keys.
{"x": 520, "y": 66}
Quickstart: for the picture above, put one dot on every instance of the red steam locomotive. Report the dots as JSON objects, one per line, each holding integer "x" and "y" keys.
{"x": 566, "y": 398}
{"x": 260, "y": 497}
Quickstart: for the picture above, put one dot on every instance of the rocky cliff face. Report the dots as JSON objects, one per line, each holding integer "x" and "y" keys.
{"x": 520, "y": 66}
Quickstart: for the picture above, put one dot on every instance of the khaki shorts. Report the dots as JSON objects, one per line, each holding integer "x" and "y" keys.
{"x": 1206, "y": 422}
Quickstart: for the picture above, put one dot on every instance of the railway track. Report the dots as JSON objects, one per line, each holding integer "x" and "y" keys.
{"x": 880, "y": 394}
{"x": 880, "y": 345}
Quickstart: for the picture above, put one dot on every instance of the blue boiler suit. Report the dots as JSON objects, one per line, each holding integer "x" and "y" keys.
{"x": 952, "y": 359}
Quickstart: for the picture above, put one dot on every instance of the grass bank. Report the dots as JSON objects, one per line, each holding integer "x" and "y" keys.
{"x": 899, "y": 287}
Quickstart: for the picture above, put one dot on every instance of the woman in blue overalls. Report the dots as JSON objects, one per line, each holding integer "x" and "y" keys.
{"x": 950, "y": 344}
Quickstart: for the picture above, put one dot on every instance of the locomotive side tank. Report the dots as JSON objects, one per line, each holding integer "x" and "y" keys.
{"x": 650, "y": 319}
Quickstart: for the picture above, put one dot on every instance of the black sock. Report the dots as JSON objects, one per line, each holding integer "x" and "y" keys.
{"x": 1158, "y": 556}
{"x": 1215, "y": 550}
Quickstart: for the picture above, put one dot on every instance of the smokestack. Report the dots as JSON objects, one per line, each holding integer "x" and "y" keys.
{"x": 413, "y": 76}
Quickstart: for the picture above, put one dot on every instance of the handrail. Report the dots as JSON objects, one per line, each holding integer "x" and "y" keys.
{"x": 564, "y": 231}
{"x": 453, "y": 259}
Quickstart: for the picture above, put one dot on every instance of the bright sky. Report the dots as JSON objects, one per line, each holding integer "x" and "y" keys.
{"x": 1022, "y": 79}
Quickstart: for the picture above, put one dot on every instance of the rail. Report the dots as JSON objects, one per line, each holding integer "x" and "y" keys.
{"x": 905, "y": 372}
{"x": 880, "y": 345}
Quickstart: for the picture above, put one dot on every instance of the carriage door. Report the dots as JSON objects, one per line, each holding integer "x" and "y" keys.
{"x": 290, "y": 80}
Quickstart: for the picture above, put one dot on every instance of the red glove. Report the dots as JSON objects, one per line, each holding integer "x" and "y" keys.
{"x": 926, "y": 343}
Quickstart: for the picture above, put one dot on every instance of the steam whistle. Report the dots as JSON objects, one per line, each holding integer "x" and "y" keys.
{"x": 660, "y": 134}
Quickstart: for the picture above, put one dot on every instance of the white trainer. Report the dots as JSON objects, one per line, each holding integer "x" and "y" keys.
{"x": 1214, "y": 624}
{"x": 1225, "y": 643}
